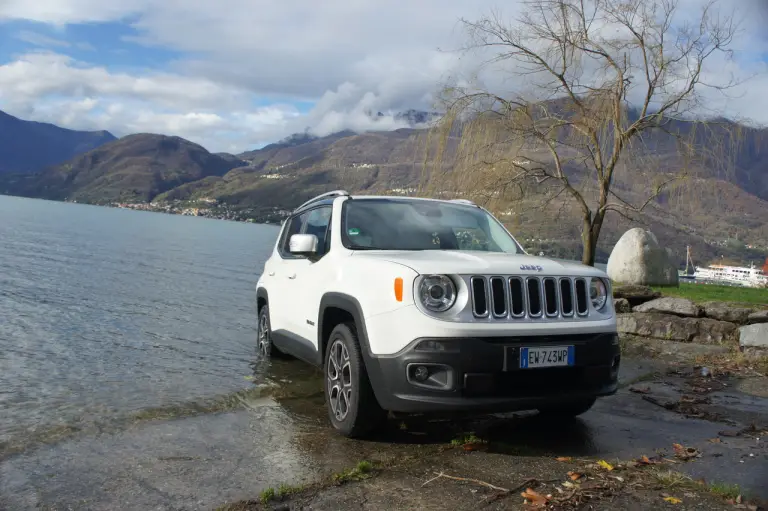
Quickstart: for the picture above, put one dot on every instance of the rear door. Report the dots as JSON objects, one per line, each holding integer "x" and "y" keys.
{"x": 312, "y": 276}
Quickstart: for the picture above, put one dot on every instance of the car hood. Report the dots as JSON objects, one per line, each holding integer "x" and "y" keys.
{"x": 475, "y": 262}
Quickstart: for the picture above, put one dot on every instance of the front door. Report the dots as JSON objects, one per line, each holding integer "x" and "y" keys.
{"x": 311, "y": 278}
{"x": 303, "y": 272}
{"x": 281, "y": 303}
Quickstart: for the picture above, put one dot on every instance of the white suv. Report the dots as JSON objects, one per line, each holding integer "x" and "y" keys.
{"x": 420, "y": 306}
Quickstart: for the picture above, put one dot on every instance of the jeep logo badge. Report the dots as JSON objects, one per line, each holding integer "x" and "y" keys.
{"x": 531, "y": 267}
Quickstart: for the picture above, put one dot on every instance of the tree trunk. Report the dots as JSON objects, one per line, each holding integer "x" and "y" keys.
{"x": 588, "y": 242}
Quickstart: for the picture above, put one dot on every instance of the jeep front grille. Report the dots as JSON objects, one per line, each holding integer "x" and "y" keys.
{"x": 501, "y": 297}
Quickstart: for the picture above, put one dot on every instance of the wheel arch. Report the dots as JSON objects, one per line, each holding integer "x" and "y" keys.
{"x": 337, "y": 308}
{"x": 262, "y": 299}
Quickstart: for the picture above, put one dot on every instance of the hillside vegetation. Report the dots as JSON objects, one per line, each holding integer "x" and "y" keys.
{"x": 717, "y": 212}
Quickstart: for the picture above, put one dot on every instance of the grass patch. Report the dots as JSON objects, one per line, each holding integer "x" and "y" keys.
{"x": 715, "y": 293}
{"x": 267, "y": 495}
{"x": 671, "y": 479}
{"x": 724, "y": 490}
{"x": 361, "y": 471}
{"x": 734, "y": 360}
{"x": 286, "y": 489}
{"x": 471, "y": 438}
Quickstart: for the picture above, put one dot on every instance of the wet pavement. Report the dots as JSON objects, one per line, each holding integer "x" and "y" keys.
{"x": 282, "y": 436}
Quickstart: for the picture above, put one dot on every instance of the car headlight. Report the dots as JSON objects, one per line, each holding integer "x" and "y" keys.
{"x": 437, "y": 293}
{"x": 598, "y": 293}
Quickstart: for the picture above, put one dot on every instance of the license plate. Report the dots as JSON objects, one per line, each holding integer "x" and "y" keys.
{"x": 546, "y": 356}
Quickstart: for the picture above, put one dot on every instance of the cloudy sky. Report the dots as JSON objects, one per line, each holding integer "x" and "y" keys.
{"x": 236, "y": 74}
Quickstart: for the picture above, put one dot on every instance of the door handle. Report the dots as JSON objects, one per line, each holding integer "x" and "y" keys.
{"x": 292, "y": 276}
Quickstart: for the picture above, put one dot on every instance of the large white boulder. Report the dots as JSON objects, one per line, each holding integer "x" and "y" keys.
{"x": 638, "y": 259}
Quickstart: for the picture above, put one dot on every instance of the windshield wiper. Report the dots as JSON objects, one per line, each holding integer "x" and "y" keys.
{"x": 363, "y": 247}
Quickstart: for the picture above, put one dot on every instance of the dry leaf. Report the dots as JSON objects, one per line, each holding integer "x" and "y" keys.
{"x": 605, "y": 465}
{"x": 645, "y": 460}
{"x": 564, "y": 458}
{"x": 568, "y": 484}
{"x": 715, "y": 440}
{"x": 637, "y": 390}
{"x": 533, "y": 498}
{"x": 574, "y": 476}
{"x": 685, "y": 453}
{"x": 673, "y": 500}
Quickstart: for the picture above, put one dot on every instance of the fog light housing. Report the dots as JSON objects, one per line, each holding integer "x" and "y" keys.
{"x": 421, "y": 373}
{"x": 430, "y": 375}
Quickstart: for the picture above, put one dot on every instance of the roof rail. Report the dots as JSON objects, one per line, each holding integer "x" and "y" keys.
{"x": 463, "y": 201}
{"x": 334, "y": 193}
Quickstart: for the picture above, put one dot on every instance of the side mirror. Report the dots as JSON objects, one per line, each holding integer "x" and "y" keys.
{"x": 303, "y": 244}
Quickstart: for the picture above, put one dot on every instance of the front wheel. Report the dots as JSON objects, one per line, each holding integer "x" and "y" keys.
{"x": 568, "y": 409}
{"x": 349, "y": 398}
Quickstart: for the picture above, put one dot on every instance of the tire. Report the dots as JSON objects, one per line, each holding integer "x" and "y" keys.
{"x": 264, "y": 346}
{"x": 352, "y": 406}
{"x": 569, "y": 409}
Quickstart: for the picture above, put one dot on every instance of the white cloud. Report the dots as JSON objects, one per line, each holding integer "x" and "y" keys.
{"x": 348, "y": 57}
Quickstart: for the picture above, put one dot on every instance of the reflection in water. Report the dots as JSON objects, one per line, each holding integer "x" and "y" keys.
{"x": 297, "y": 388}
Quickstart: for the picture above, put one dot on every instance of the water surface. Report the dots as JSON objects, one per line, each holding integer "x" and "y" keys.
{"x": 105, "y": 313}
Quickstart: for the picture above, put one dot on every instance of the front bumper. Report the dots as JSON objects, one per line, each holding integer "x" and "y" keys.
{"x": 483, "y": 374}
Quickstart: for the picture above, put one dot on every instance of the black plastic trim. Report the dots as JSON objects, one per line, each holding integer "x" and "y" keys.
{"x": 299, "y": 347}
{"x": 486, "y": 374}
{"x": 261, "y": 293}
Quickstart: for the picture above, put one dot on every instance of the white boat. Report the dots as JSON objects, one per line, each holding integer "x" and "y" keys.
{"x": 737, "y": 275}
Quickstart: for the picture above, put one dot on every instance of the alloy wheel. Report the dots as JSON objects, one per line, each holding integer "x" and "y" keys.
{"x": 264, "y": 341}
{"x": 339, "y": 380}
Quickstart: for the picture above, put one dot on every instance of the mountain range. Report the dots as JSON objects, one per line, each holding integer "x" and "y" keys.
{"x": 27, "y": 146}
{"x": 720, "y": 214}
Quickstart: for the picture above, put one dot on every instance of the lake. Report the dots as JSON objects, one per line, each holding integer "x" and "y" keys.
{"x": 107, "y": 313}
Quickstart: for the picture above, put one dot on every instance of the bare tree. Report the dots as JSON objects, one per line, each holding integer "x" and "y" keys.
{"x": 600, "y": 77}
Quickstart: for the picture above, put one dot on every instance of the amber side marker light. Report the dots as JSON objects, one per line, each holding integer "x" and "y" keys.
{"x": 399, "y": 289}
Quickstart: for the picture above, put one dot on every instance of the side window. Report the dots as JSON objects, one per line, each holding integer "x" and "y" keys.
{"x": 315, "y": 221}
{"x": 318, "y": 223}
{"x": 293, "y": 227}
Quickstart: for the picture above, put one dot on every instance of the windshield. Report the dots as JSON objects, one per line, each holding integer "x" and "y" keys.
{"x": 401, "y": 224}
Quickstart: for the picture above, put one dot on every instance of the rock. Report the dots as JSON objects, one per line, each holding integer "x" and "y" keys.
{"x": 727, "y": 312}
{"x": 635, "y": 294}
{"x": 676, "y": 328}
{"x": 758, "y": 317}
{"x": 638, "y": 259}
{"x": 754, "y": 336}
{"x": 622, "y": 305}
{"x": 670, "y": 305}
